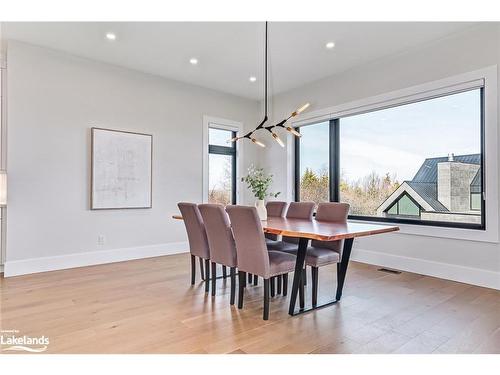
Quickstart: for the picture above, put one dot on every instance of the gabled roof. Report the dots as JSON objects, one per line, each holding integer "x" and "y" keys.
{"x": 428, "y": 192}
{"x": 428, "y": 170}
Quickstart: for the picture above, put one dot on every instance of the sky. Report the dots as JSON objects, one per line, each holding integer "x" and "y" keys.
{"x": 398, "y": 140}
{"x": 217, "y": 163}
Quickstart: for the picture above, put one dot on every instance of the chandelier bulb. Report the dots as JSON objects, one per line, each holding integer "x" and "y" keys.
{"x": 257, "y": 142}
{"x": 293, "y": 131}
{"x": 278, "y": 139}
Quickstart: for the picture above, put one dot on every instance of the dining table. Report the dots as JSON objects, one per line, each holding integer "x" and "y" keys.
{"x": 306, "y": 230}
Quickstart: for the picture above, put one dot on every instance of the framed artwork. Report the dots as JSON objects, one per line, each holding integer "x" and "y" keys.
{"x": 121, "y": 169}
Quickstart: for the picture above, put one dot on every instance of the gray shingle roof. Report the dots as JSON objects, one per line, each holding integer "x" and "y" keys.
{"x": 428, "y": 170}
{"x": 428, "y": 192}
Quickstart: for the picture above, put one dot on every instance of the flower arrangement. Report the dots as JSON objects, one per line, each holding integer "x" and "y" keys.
{"x": 259, "y": 182}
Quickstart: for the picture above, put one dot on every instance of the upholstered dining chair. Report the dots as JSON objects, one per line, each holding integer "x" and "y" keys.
{"x": 275, "y": 209}
{"x": 197, "y": 237}
{"x": 322, "y": 253}
{"x": 253, "y": 255}
{"x": 221, "y": 243}
{"x": 296, "y": 210}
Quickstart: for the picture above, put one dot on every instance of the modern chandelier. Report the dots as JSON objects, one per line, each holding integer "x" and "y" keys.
{"x": 281, "y": 124}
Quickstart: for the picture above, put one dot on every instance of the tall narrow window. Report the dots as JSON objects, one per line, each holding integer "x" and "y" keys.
{"x": 221, "y": 167}
{"x": 313, "y": 172}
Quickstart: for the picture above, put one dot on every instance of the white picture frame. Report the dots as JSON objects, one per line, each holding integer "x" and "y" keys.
{"x": 121, "y": 169}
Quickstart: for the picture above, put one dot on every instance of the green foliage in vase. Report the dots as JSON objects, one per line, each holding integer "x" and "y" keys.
{"x": 259, "y": 182}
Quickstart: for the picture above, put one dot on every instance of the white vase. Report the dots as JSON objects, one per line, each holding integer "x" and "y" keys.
{"x": 261, "y": 209}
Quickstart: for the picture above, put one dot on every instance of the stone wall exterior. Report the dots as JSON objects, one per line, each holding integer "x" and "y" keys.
{"x": 454, "y": 179}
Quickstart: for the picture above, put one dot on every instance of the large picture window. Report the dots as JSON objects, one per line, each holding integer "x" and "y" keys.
{"x": 221, "y": 167}
{"x": 420, "y": 162}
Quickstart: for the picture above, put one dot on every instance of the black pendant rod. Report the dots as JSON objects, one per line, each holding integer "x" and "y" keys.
{"x": 265, "y": 79}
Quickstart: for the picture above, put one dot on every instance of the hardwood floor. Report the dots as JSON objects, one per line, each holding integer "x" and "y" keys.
{"x": 148, "y": 306}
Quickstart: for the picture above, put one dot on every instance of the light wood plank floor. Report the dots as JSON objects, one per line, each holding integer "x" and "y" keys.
{"x": 148, "y": 306}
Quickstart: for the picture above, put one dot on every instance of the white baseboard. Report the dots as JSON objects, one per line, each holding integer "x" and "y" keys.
{"x": 469, "y": 275}
{"x": 447, "y": 271}
{"x": 34, "y": 265}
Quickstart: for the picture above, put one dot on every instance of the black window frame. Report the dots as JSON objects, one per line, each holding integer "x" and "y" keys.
{"x": 226, "y": 150}
{"x": 334, "y": 169}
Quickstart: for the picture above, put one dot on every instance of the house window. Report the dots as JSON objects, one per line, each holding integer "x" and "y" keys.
{"x": 475, "y": 201}
{"x": 418, "y": 163}
{"x": 221, "y": 166}
{"x": 404, "y": 206}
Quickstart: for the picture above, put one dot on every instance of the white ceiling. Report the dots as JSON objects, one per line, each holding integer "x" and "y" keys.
{"x": 229, "y": 53}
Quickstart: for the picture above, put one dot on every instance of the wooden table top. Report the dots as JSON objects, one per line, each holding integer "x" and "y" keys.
{"x": 320, "y": 230}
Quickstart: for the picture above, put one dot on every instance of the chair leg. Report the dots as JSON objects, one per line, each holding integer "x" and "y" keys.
{"x": 273, "y": 293}
{"x": 314, "y": 277}
{"x": 232, "y": 274}
{"x": 255, "y": 280}
{"x": 224, "y": 272}
{"x": 193, "y": 269}
{"x": 301, "y": 292}
{"x": 285, "y": 284}
{"x": 202, "y": 273}
{"x": 207, "y": 275}
{"x": 214, "y": 278}
{"x": 250, "y": 277}
{"x": 266, "y": 299}
{"x": 304, "y": 275}
{"x": 241, "y": 288}
{"x": 279, "y": 280}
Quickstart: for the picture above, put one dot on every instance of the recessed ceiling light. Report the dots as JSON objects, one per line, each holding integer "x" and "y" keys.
{"x": 193, "y": 61}
{"x": 110, "y": 36}
{"x": 330, "y": 45}
{"x": 252, "y": 79}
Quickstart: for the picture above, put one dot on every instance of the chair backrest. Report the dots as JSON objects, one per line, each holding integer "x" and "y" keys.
{"x": 249, "y": 237}
{"x": 299, "y": 210}
{"x": 198, "y": 242}
{"x": 335, "y": 213}
{"x": 219, "y": 234}
{"x": 276, "y": 208}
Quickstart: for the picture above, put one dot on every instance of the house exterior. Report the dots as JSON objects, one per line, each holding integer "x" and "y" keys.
{"x": 443, "y": 189}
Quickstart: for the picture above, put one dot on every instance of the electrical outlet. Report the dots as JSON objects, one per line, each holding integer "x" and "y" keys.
{"x": 101, "y": 239}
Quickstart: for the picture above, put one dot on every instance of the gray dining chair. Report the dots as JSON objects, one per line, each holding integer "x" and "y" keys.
{"x": 296, "y": 210}
{"x": 253, "y": 256}
{"x": 275, "y": 209}
{"x": 197, "y": 238}
{"x": 322, "y": 253}
{"x": 221, "y": 243}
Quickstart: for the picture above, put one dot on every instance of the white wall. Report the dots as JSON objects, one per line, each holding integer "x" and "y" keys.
{"x": 53, "y": 100}
{"x": 469, "y": 261}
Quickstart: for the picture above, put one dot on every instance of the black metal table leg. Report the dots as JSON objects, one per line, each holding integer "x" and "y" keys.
{"x": 341, "y": 273}
{"x": 299, "y": 265}
{"x": 342, "y": 270}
